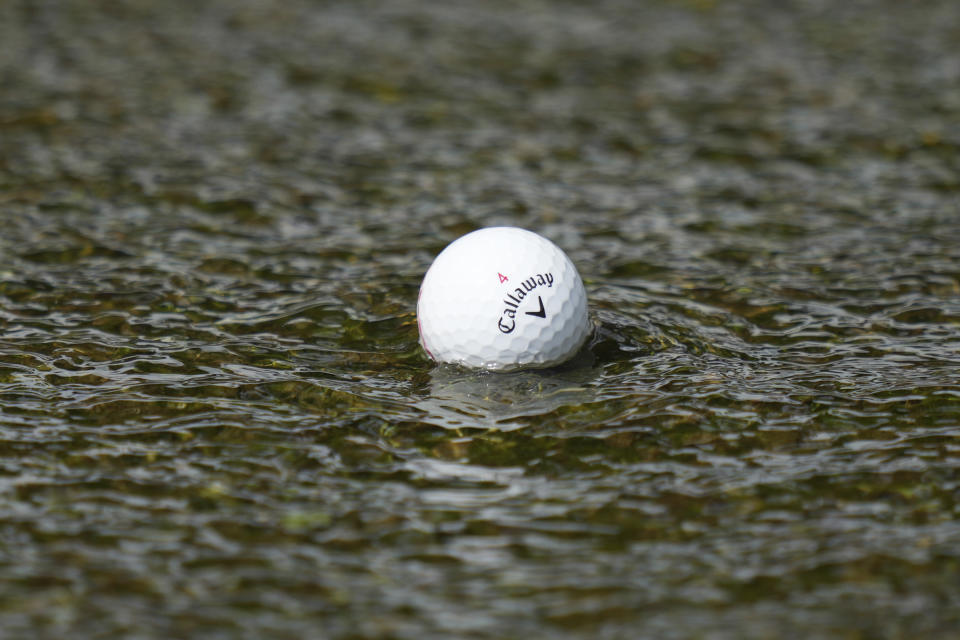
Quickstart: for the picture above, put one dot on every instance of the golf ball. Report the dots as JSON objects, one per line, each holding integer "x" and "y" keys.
{"x": 502, "y": 298}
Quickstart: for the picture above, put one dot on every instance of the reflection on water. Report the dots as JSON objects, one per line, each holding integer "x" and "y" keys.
{"x": 215, "y": 420}
{"x": 463, "y": 399}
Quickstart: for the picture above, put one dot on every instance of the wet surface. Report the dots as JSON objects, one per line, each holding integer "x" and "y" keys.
{"x": 215, "y": 420}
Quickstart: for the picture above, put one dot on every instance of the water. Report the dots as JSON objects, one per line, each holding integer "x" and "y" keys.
{"x": 215, "y": 421}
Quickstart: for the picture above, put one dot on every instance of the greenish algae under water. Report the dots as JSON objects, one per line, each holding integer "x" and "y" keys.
{"x": 215, "y": 421}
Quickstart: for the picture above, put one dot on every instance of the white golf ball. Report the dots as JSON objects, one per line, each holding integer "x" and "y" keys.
{"x": 502, "y": 298}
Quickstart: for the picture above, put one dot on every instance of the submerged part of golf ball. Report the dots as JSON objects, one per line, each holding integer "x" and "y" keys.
{"x": 502, "y": 298}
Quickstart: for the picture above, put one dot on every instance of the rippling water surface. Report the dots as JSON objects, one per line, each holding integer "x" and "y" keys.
{"x": 215, "y": 420}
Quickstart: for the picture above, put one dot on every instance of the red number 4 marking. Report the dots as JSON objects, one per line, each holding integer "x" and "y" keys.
{"x": 503, "y": 278}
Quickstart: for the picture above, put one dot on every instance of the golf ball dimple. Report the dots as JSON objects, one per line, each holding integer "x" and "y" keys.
{"x": 502, "y": 298}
